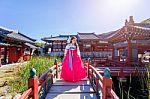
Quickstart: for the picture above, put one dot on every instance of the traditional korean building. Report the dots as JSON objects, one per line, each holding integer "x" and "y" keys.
{"x": 55, "y": 46}
{"x": 126, "y": 44}
{"x": 89, "y": 43}
{"x": 130, "y": 41}
{"x": 14, "y": 46}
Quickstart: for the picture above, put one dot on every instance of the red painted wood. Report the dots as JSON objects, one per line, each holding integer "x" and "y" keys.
{"x": 33, "y": 83}
{"x": 104, "y": 83}
{"x": 88, "y": 67}
{"x": 56, "y": 68}
{"x": 107, "y": 83}
{"x": 12, "y": 55}
{"x": 26, "y": 94}
{"x": 113, "y": 53}
{"x": 30, "y": 53}
{"x": 129, "y": 51}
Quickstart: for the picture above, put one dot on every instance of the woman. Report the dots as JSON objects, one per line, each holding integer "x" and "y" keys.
{"x": 72, "y": 66}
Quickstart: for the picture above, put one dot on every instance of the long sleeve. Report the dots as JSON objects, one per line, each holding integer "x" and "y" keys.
{"x": 65, "y": 51}
{"x": 78, "y": 51}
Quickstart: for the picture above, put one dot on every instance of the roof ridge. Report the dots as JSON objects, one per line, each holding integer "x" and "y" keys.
{"x": 2, "y": 27}
{"x": 86, "y": 33}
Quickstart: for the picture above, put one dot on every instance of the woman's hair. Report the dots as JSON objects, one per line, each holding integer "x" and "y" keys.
{"x": 72, "y": 39}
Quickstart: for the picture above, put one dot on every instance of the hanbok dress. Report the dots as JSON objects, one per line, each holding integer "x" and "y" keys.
{"x": 72, "y": 66}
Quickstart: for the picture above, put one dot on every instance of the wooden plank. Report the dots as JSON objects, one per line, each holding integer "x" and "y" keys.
{"x": 68, "y": 90}
{"x": 61, "y": 82}
{"x": 71, "y": 88}
{"x": 72, "y": 96}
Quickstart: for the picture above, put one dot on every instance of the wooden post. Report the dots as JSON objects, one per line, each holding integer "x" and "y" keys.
{"x": 22, "y": 53}
{"x": 52, "y": 47}
{"x": 30, "y": 53}
{"x": 5, "y": 55}
{"x": 49, "y": 77}
{"x": 33, "y": 83}
{"x": 97, "y": 85}
{"x": 88, "y": 67}
{"x": 107, "y": 84}
{"x": 129, "y": 52}
{"x": 55, "y": 63}
{"x": 62, "y": 46}
{"x": 121, "y": 74}
{"x": 113, "y": 53}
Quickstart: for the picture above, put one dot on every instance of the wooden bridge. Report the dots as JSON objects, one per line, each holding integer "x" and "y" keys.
{"x": 50, "y": 86}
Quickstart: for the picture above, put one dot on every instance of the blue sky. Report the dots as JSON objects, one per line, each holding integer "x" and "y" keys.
{"x": 42, "y": 18}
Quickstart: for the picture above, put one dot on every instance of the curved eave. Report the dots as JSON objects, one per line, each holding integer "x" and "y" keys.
{"x": 132, "y": 32}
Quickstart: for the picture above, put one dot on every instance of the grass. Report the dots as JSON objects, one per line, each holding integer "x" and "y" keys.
{"x": 41, "y": 64}
{"x": 8, "y": 74}
{"x": 18, "y": 76}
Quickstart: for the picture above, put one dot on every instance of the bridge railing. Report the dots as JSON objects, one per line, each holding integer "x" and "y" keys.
{"x": 101, "y": 84}
{"x": 38, "y": 87}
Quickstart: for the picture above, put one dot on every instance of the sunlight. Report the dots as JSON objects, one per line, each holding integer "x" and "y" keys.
{"x": 118, "y": 8}
{"x": 121, "y": 4}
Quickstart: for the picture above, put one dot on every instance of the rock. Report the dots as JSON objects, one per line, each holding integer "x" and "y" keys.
{"x": 8, "y": 96}
{"x": 4, "y": 93}
{"x": 2, "y": 97}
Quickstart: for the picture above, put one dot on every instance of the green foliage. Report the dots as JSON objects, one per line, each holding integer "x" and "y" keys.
{"x": 39, "y": 44}
{"x": 146, "y": 21}
{"x": 41, "y": 64}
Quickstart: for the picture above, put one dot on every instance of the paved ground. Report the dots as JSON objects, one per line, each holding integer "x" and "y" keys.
{"x": 68, "y": 90}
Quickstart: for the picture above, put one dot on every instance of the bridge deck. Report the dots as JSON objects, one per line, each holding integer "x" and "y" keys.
{"x": 67, "y": 90}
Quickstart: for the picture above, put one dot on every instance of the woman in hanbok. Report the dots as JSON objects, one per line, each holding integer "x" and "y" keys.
{"x": 72, "y": 66}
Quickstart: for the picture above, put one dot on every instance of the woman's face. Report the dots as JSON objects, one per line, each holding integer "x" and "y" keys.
{"x": 74, "y": 41}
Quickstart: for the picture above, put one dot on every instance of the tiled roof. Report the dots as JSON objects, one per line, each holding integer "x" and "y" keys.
{"x": 105, "y": 35}
{"x": 87, "y": 36}
{"x": 4, "y": 44}
{"x": 57, "y": 38}
{"x": 31, "y": 45}
{"x": 15, "y": 35}
{"x": 144, "y": 25}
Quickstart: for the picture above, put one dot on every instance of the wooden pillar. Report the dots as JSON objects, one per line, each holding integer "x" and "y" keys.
{"x": 61, "y": 46}
{"x": 129, "y": 51}
{"x": 57, "y": 47}
{"x": 55, "y": 63}
{"x": 52, "y": 47}
{"x": 88, "y": 67}
{"x": 33, "y": 83}
{"x": 21, "y": 53}
{"x": 118, "y": 51}
{"x": 113, "y": 53}
{"x": 107, "y": 84}
{"x": 30, "y": 53}
{"x": 5, "y": 55}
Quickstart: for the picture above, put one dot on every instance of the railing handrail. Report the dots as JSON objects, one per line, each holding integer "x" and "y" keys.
{"x": 41, "y": 81}
{"x": 113, "y": 94}
{"x": 26, "y": 93}
{"x": 97, "y": 73}
{"x": 101, "y": 81}
{"x": 44, "y": 74}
